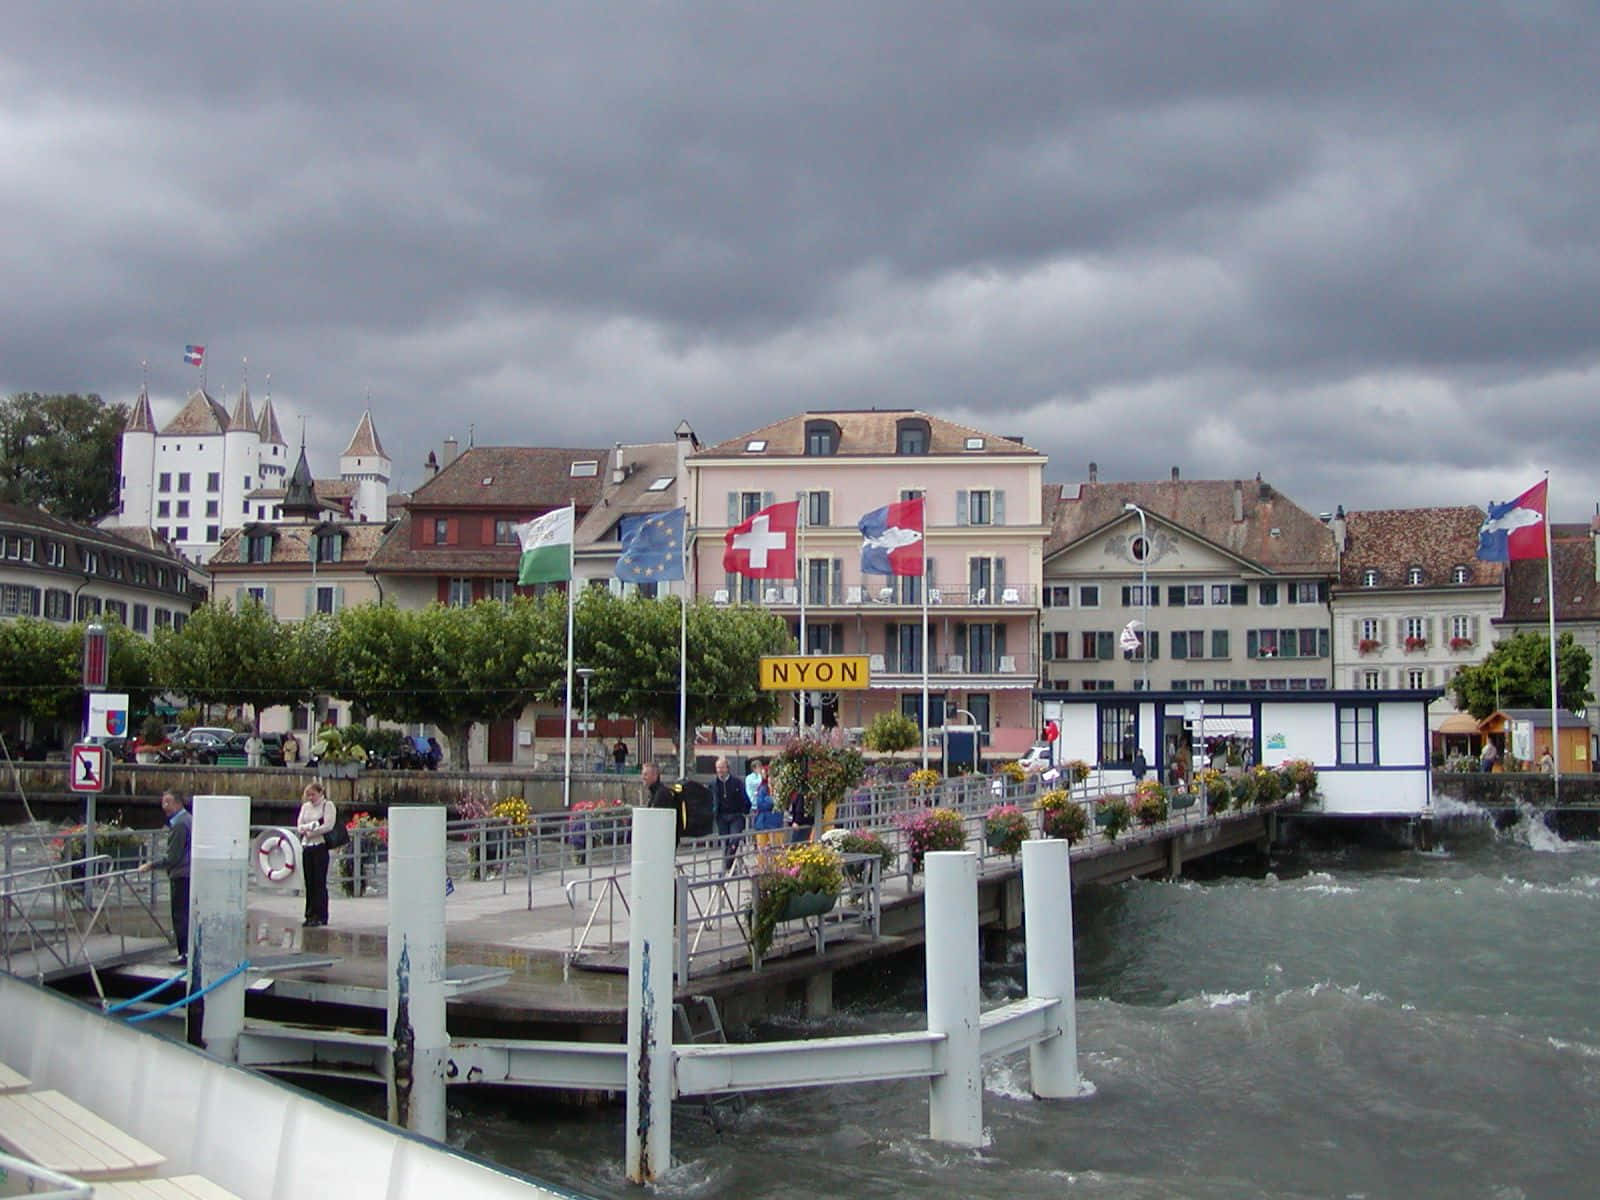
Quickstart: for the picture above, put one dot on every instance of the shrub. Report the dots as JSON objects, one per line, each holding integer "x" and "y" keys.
{"x": 889, "y": 732}
{"x": 1005, "y": 828}
{"x": 929, "y": 829}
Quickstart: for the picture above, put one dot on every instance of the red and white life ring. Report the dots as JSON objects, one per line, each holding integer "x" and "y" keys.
{"x": 278, "y": 855}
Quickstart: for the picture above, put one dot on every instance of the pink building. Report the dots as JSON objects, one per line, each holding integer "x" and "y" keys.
{"x": 984, "y": 539}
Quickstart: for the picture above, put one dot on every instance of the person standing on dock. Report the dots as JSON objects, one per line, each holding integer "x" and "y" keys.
{"x": 1491, "y": 755}
{"x": 658, "y": 794}
{"x": 619, "y": 755}
{"x": 180, "y": 829}
{"x": 732, "y": 806}
{"x": 317, "y": 815}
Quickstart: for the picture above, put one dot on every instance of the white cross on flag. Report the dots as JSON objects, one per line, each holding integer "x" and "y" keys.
{"x": 762, "y": 545}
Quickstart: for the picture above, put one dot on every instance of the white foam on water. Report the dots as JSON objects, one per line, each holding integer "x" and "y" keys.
{"x": 1226, "y": 999}
{"x": 1582, "y": 1049}
{"x": 1531, "y": 831}
{"x": 1449, "y": 808}
{"x": 1008, "y": 1078}
{"x": 1331, "y": 889}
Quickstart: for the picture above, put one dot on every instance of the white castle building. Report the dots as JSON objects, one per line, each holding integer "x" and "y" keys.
{"x": 207, "y": 471}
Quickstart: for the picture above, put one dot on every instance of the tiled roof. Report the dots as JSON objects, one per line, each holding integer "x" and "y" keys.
{"x": 199, "y": 415}
{"x": 1577, "y": 593}
{"x": 525, "y": 479}
{"x": 1393, "y": 540}
{"x": 244, "y": 416}
{"x": 110, "y": 537}
{"x": 865, "y": 432}
{"x": 267, "y": 427}
{"x": 141, "y": 419}
{"x": 291, "y": 544}
{"x": 647, "y": 463}
{"x": 364, "y": 442}
{"x": 1275, "y": 533}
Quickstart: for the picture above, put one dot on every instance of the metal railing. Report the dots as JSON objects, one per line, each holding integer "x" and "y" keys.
{"x": 43, "y": 1183}
{"x": 49, "y": 913}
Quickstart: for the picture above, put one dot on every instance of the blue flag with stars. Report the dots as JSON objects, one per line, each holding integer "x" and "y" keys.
{"x": 652, "y": 547}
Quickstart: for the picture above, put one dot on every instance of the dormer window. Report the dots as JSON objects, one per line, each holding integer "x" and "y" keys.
{"x": 258, "y": 548}
{"x": 1413, "y": 576}
{"x": 586, "y": 469}
{"x": 911, "y": 436}
{"x": 1369, "y": 577}
{"x": 1459, "y": 574}
{"x": 330, "y": 547}
{"x": 822, "y": 439}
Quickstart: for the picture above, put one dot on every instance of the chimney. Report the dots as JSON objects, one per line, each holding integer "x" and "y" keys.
{"x": 619, "y": 469}
{"x": 1263, "y": 490}
{"x": 431, "y": 467}
{"x": 1094, "y": 472}
{"x": 1594, "y": 534}
{"x": 1174, "y": 474}
{"x": 1336, "y": 527}
{"x": 1238, "y": 502}
{"x": 451, "y": 449}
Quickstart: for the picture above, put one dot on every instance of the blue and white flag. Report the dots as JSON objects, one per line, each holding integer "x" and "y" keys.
{"x": 652, "y": 547}
{"x": 1515, "y": 529}
{"x": 891, "y": 539}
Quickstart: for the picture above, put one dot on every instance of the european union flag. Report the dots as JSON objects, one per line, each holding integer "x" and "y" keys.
{"x": 652, "y": 547}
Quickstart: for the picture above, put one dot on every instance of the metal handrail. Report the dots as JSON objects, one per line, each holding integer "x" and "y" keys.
{"x": 61, "y": 1187}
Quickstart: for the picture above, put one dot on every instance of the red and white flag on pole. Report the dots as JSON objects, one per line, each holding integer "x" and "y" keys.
{"x": 762, "y": 545}
{"x": 194, "y": 355}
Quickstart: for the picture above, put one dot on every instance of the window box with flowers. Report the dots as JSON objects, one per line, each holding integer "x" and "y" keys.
{"x": 1461, "y": 643}
{"x": 1414, "y": 644}
{"x": 1005, "y": 828}
{"x": 801, "y": 881}
{"x": 1368, "y": 645}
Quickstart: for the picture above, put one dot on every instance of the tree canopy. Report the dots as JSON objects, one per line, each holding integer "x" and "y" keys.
{"x": 1516, "y": 674}
{"x": 60, "y": 452}
{"x": 41, "y": 669}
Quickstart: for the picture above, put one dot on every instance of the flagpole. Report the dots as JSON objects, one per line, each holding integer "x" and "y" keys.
{"x": 925, "y": 647}
{"x": 683, "y": 660}
{"x": 566, "y": 726}
{"x": 1550, "y": 584}
{"x": 800, "y": 586}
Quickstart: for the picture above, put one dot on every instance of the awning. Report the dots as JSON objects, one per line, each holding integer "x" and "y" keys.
{"x": 1458, "y": 723}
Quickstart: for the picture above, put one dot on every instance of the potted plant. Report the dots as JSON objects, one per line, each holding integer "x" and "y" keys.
{"x": 1300, "y": 776}
{"x": 1014, "y": 772}
{"x": 802, "y": 880}
{"x": 929, "y": 829}
{"x": 592, "y": 823}
{"x": 1076, "y": 771}
{"x": 1060, "y": 816}
{"x": 122, "y": 845}
{"x": 1150, "y": 804}
{"x": 1216, "y": 786}
{"x": 1005, "y": 828}
{"x": 861, "y": 841}
{"x": 367, "y": 834}
{"x": 1367, "y": 645}
{"x": 339, "y": 753}
{"x": 809, "y": 778}
{"x": 1112, "y": 815}
{"x": 924, "y": 779}
{"x": 1267, "y": 785}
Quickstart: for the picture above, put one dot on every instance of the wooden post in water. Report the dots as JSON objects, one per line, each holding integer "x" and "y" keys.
{"x": 651, "y": 913}
{"x": 1052, "y": 972}
{"x": 955, "y": 1097}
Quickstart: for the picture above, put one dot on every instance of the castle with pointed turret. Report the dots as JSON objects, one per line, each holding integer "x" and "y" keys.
{"x": 208, "y": 471}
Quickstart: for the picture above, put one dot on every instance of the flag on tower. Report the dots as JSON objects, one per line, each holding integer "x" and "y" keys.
{"x": 652, "y": 547}
{"x": 762, "y": 545}
{"x": 546, "y": 547}
{"x": 891, "y": 539}
{"x": 194, "y": 355}
{"x": 1515, "y": 529}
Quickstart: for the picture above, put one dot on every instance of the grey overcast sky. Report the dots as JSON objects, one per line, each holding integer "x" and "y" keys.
{"x": 1350, "y": 246}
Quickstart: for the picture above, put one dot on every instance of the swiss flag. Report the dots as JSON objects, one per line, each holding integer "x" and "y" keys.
{"x": 762, "y": 546}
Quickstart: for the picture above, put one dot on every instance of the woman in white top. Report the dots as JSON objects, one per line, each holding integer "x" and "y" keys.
{"x": 317, "y": 815}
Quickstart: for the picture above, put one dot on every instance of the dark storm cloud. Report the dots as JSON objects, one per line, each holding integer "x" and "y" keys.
{"x": 1346, "y": 246}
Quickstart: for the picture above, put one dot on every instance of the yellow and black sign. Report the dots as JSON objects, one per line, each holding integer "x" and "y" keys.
{"x": 799, "y": 673}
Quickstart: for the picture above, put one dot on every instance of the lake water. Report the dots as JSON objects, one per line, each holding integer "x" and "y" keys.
{"x": 1356, "y": 1023}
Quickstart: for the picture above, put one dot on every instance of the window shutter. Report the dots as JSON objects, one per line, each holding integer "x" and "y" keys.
{"x": 1322, "y": 591}
{"x": 733, "y": 508}
{"x": 1127, "y": 596}
{"x": 488, "y": 531}
{"x": 1322, "y": 643}
{"x": 999, "y": 578}
{"x": 311, "y": 601}
{"x": 1105, "y": 646}
{"x": 999, "y": 507}
{"x": 1176, "y": 597}
{"x": 1474, "y": 628}
{"x": 1153, "y": 643}
{"x": 338, "y": 599}
{"x": 838, "y": 638}
{"x": 961, "y": 506}
{"x": 1180, "y": 645}
{"x": 452, "y": 531}
{"x": 837, "y": 590}
{"x": 1355, "y": 632}
{"x": 927, "y": 564}
{"x": 1239, "y": 594}
{"x": 1252, "y": 644}
{"x": 266, "y": 600}
{"x": 999, "y": 640}
{"x": 731, "y": 582}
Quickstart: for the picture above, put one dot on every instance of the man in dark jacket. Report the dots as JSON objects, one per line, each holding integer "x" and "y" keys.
{"x": 176, "y": 864}
{"x": 732, "y": 806}
{"x": 658, "y": 794}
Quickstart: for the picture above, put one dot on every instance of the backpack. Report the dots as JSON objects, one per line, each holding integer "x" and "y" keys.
{"x": 696, "y": 810}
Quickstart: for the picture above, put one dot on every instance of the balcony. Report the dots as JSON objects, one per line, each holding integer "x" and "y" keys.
{"x": 900, "y": 670}
{"x": 900, "y": 594}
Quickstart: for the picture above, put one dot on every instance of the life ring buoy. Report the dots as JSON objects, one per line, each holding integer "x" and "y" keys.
{"x": 278, "y": 855}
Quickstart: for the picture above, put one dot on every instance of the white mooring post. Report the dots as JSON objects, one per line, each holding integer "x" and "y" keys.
{"x": 219, "y": 851}
{"x": 1047, "y": 905}
{"x": 955, "y": 1097}
{"x": 650, "y": 953}
{"x": 418, "y": 1042}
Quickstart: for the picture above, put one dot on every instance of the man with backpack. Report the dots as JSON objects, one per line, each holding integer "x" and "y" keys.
{"x": 732, "y": 804}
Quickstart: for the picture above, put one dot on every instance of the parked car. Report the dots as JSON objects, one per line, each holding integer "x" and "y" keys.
{"x": 202, "y": 737}
{"x": 1038, "y": 759}
{"x": 271, "y": 749}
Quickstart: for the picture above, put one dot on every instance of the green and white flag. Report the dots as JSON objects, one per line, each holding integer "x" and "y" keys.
{"x": 546, "y": 547}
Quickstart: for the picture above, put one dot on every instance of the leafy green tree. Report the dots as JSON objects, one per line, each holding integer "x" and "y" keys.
{"x": 41, "y": 670}
{"x": 60, "y": 452}
{"x": 889, "y": 732}
{"x": 230, "y": 657}
{"x": 1516, "y": 674}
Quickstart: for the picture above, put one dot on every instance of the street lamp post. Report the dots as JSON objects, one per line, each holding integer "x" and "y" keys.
{"x": 1144, "y": 586}
{"x": 583, "y": 673}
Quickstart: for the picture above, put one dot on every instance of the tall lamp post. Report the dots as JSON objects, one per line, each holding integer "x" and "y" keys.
{"x": 1144, "y": 586}
{"x": 583, "y": 673}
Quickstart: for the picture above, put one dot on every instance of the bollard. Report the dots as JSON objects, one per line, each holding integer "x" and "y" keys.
{"x": 219, "y": 876}
{"x": 1047, "y": 901}
{"x": 418, "y": 1042}
{"x": 651, "y": 905}
{"x": 955, "y": 1097}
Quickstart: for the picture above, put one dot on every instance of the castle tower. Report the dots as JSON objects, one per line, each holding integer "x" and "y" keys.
{"x": 241, "y": 457}
{"x": 300, "y": 501}
{"x": 273, "y": 451}
{"x": 136, "y": 487}
{"x": 365, "y": 464}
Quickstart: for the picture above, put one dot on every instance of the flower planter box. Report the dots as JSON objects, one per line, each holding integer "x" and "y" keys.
{"x": 808, "y": 904}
